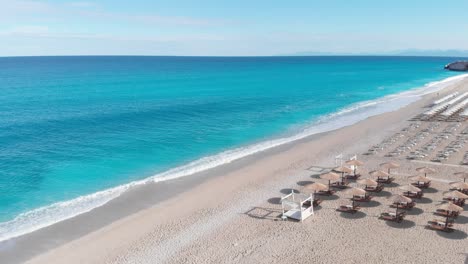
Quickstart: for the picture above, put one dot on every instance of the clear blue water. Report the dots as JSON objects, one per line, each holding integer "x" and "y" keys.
{"x": 71, "y": 126}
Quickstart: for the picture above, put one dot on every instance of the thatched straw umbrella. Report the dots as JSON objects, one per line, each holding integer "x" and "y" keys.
{"x": 425, "y": 170}
{"x": 368, "y": 182}
{"x": 451, "y": 210}
{"x": 410, "y": 188}
{"x": 398, "y": 199}
{"x": 316, "y": 187}
{"x": 419, "y": 179}
{"x": 355, "y": 163}
{"x": 355, "y": 192}
{"x": 389, "y": 165}
{"x": 379, "y": 174}
{"x": 342, "y": 170}
{"x": 463, "y": 175}
{"x": 456, "y": 194}
{"x": 330, "y": 176}
{"x": 460, "y": 185}
{"x": 450, "y": 207}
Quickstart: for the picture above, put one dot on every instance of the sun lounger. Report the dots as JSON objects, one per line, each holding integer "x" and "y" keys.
{"x": 362, "y": 198}
{"x": 390, "y": 216}
{"x": 404, "y": 205}
{"x": 435, "y": 226}
{"x": 456, "y": 201}
{"x": 445, "y": 213}
{"x": 374, "y": 189}
{"x": 385, "y": 180}
{"x": 413, "y": 195}
{"x": 422, "y": 185}
{"x": 327, "y": 192}
{"x": 353, "y": 177}
{"x": 447, "y": 222}
{"x": 348, "y": 208}
{"x": 339, "y": 184}
{"x": 317, "y": 201}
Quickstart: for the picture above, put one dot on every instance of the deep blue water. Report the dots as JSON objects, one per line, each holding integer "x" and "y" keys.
{"x": 71, "y": 126}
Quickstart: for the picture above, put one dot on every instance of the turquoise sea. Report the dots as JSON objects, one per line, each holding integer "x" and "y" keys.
{"x": 76, "y": 132}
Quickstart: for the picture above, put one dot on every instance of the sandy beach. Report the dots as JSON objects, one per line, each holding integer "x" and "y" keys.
{"x": 231, "y": 214}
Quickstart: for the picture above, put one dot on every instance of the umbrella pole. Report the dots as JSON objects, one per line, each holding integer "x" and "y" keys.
{"x": 396, "y": 210}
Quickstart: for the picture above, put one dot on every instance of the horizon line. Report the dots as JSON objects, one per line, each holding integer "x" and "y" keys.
{"x": 242, "y": 56}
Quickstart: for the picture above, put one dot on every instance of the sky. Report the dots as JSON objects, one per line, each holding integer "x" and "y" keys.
{"x": 229, "y": 28}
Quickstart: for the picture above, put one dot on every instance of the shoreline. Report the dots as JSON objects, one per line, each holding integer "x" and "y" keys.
{"x": 341, "y": 118}
{"x": 143, "y": 199}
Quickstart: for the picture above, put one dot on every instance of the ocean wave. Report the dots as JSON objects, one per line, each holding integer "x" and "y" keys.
{"x": 48, "y": 215}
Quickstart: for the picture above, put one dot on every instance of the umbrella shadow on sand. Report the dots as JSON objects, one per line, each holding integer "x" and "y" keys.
{"x": 423, "y": 200}
{"x": 328, "y": 197}
{"x": 288, "y": 191}
{"x": 370, "y": 204}
{"x": 304, "y": 183}
{"x": 461, "y": 219}
{"x": 383, "y": 194}
{"x": 415, "y": 211}
{"x": 392, "y": 185}
{"x": 357, "y": 215}
{"x": 403, "y": 225}
{"x": 430, "y": 190}
{"x": 315, "y": 176}
{"x": 274, "y": 200}
{"x": 455, "y": 235}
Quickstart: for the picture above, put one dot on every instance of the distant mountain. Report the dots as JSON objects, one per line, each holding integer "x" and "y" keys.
{"x": 408, "y": 52}
{"x": 438, "y": 53}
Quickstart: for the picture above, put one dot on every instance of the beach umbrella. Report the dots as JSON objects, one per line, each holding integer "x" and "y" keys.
{"x": 425, "y": 170}
{"x": 456, "y": 194}
{"x": 410, "y": 188}
{"x": 330, "y": 176}
{"x": 342, "y": 170}
{"x": 378, "y": 174}
{"x": 355, "y": 192}
{"x": 316, "y": 187}
{"x": 389, "y": 165}
{"x": 451, "y": 207}
{"x": 462, "y": 175}
{"x": 355, "y": 163}
{"x": 420, "y": 179}
{"x": 368, "y": 182}
{"x": 460, "y": 185}
{"x": 398, "y": 199}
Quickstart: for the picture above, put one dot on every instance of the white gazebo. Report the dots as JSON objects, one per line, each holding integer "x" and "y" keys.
{"x": 297, "y": 205}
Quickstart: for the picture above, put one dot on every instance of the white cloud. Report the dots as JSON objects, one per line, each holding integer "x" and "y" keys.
{"x": 12, "y": 11}
{"x": 26, "y": 30}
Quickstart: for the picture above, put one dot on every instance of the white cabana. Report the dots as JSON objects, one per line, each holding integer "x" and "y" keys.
{"x": 297, "y": 206}
{"x": 445, "y": 98}
{"x": 443, "y": 106}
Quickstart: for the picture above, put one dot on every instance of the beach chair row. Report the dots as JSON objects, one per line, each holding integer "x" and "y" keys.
{"x": 439, "y": 108}
{"x": 451, "y": 148}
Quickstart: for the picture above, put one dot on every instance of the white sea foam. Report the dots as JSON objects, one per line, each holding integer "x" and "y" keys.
{"x": 45, "y": 216}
